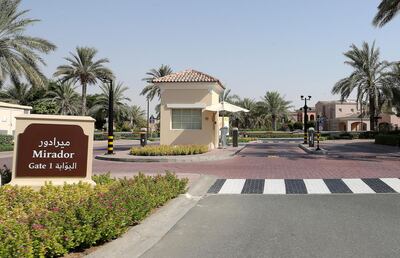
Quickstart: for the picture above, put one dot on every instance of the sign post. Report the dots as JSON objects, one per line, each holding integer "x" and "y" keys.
{"x": 56, "y": 149}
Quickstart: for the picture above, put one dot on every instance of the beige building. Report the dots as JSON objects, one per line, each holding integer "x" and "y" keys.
{"x": 184, "y": 118}
{"x": 298, "y": 115}
{"x": 342, "y": 116}
{"x": 7, "y": 116}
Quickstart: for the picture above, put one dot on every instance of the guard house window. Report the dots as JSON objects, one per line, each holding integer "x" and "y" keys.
{"x": 186, "y": 118}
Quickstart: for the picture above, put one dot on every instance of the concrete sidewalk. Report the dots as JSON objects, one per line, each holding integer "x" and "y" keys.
{"x": 142, "y": 237}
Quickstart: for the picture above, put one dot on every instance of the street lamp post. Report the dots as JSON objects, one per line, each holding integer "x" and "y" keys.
{"x": 110, "y": 142}
{"x": 305, "y": 109}
{"x": 148, "y": 118}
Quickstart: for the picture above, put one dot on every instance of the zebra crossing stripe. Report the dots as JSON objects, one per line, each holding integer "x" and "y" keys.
{"x": 253, "y": 186}
{"x": 295, "y": 186}
{"x": 232, "y": 186}
{"x": 337, "y": 186}
{"x": 305, "y": 186}
{"x": 394, "y": 183}
{"x": 378, "y": 186}
{"x": 356, "y": 185}
{"x": 274, "y": 186}
{"x": 316, "y": 186}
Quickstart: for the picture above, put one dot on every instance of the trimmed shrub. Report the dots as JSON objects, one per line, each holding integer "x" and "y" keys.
{"x": 387, "y": 139}
{"x": 6, "y": 139}
{"x": 58, "y": 219}
{"x": 367, "y": 135}
{"x": 6, "y": 148}
{"x": 168, "y": 150}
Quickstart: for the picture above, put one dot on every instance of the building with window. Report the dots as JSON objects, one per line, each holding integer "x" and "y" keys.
{"x": 298, "y": 115}
{"x": 184, "y": 118}
{"x": 7, "y": 116}
{"x": 342, "y": 116}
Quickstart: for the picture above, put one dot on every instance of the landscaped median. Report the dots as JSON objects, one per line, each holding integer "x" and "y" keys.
{"x": 168, "y": 150}
{"x": 56, "y": 220}
{"x": 173, "y": 154}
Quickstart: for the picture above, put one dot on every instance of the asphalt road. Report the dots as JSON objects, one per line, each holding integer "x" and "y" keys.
{"x": 286, "y": 226}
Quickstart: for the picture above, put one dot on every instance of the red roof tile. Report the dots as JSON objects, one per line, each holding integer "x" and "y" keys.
{"x": 188, "y": 76}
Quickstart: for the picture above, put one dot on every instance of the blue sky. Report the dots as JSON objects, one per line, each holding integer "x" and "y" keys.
{"x": 291, "y": 46}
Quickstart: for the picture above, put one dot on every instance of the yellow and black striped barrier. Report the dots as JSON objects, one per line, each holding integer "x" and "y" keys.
{"x": 110, "y": 147}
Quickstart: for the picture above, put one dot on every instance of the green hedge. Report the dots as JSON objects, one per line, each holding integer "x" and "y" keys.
{"x": 271, "y": 135}
{"x": 56, "y": 220}
{"x": 388, "y": 139}
{"x": 6, "y": 139}
{"x": 168, "y": 150}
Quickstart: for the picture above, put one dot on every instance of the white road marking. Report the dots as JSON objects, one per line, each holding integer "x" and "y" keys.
{"x": 356, "y": 185}
{"x": 232, "y": 186}
{"x": 393, "y": 183}
{"x": 316, "y": 186}
{"x": 274, "y": 186}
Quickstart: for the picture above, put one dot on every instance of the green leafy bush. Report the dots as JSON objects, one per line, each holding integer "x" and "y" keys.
{"x": 367, "y": 135}
{"x": 58, "y": 219}
{"x": 388, "y": 139}
{"x": 168, "y": 150}
{"x": 6, "y": 139}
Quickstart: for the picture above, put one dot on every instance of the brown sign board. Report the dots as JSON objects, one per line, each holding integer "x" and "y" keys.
{"x": 52, "y": 150}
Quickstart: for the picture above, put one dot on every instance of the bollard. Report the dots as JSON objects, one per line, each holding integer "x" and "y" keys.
{"x": 311, "y": 134}
{"x": 143, "y": 137}
{"x": 235, "y": 136}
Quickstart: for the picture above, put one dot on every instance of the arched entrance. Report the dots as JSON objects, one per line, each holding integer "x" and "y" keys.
{"x": 358, "y": 126}
{"x": 312, "y": 118}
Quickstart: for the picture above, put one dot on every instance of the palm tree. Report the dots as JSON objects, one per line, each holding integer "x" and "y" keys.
{"x": 245, "y": 119}
{"x": 19, "y": 53}
{"x": 136, "y": 116}
{"x": 368, "y": 78}
{"x": 66, "y": 99}
{"x": 387, "y": 9}
{"x": 17, "y": 93}
{"x": 226, "y": 96}
{"x": 120, "y": 107}
{"x": 84, "y": 69}
{"x": 274, "y": 106}
{"x": 152, "y": 90}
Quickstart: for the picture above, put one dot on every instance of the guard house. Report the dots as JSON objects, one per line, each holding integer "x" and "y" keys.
{"x": 185, "y": 98}
{"x": 8, "y": 112}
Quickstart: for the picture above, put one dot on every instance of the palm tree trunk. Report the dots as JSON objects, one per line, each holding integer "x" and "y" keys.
{"x": 84, "y": 86}
{"x": 372, "y": 112}
{"x": 273, "y": 123}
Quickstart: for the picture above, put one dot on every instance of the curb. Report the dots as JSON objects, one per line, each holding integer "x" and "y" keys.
{"x": 168, "y": 159}
{"x": 140, "y": 238}
{"x": 312, "y": 150}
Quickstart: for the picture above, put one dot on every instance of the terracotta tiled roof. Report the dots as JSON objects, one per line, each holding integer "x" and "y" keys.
{"x": 188, "y": 76}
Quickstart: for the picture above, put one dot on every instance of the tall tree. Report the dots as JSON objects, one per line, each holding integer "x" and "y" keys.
{"x": 84, "y": 69}
{"x": 226, "y": 96}
{"x": 66, "y": 99}
{"x": 152, "y": 90}
{"x": 17, "y": 93}
{"x": 274, "y": 106}
{"x": 20, "y": 53}
{"x": 368, "y": 78}
{"x": 136, "y": 116}
{"x": 387, "y": 10}
{"x": 120, "y": 107}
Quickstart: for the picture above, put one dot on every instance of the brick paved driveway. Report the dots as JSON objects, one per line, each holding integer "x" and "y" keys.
{"x": 282, "y": 160}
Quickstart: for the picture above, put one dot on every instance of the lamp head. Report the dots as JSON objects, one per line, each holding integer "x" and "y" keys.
{"x": 302, "y": 97}
{"x": 309, "y": 97}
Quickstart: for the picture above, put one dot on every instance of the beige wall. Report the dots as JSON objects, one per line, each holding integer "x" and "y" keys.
{"x": 7, "y": 118}
{"x": 189, "y": 93}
